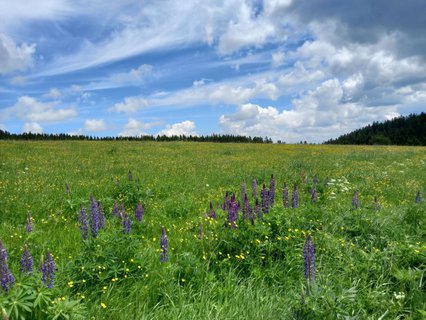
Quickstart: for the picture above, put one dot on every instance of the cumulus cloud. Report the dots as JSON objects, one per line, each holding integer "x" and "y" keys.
{"x": 316, "y": 116}
{"x": 32, "y": 127}
{"x": 181, "y": 128}
{"x": 130, "y": 105}
{"x": 14, "y": 57}
{"x": 31, "y": 110}
{"x": 95, "y": 125}
{"x": 136, "y": 128}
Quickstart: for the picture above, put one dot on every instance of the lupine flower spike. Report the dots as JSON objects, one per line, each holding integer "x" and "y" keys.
{"x": 67, "y": 188}
{"x": 295, "y": 198}
{"x": 272, "y": 191}
{"x": 139, "y": 212}
{"x": 26, "y": 261}
{"x": 246, "y": 207}
{"x": 115, "y": 211}
{"x": 264, "y": 194}
{"x": 309, "y": 262}
{"x": 29, "y": 226}
{"x": 48, "y": 270}
{"x": 82, "y": 222}
{"x": 130, "y": 176}
{"x": 355, "y": 202}
{"x": 418, "y": 198}
{"x": 101, "y": 216}
{"x": 93, "y": 217}
{"x": 285, "y": 196}
{"x": 6, "y": 277}
{"x": 127, "y": 224}
{"x": 212, "y": 213}
{"x": 233, "y": 212}
{"x": 164, "y": 246}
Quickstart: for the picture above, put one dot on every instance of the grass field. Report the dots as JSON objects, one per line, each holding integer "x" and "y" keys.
{"x": 370, "y": 264}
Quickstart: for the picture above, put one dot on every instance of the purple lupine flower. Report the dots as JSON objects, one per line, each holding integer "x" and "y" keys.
{"x": 264, "y": 195}
{"x": 232, "y": 212}
{"x": 295, "y": 198}
{"x": 309, "y": 262}
{"x": 130, "y": 176}
{"x": 246, "y": 207}
{"x": 355, "y": 202}
{"x": 212, "y": 213}
{"x": 48, "y": 270}
{"x": 67, "y": 188}
{"x": 6, "y": 277}
{"x": 418, "y": 198}
{"x": 285, "y": 196}
{"x": 82, "y": 222}
{"x": 272, "y": 191}
{"x": 139, "y": 212}
{"x": 115, "y": 211}
{"x": 101, "y": 215}
{"x": 26, "y": 261}
{"x": 226, "y": 202}
{"x": 251, "y": 215}
{"x": 164, "y": 246}
{"x": 376, "y": 203}
{"x": 315, "y": 180}
{"x": 254, "y": 189}
{"x": 127, "y": 224}
{"x": 93, "y": 217}
{"x": 29, "y": 226}
{"x": 314, "y": 196}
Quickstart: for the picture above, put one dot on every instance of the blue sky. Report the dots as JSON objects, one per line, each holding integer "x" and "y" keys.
{"x": 291, "y": 70}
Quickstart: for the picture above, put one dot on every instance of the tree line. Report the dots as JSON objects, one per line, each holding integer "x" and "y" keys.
{"x": 224, "y": 138}
{"x": 408, "y": 131}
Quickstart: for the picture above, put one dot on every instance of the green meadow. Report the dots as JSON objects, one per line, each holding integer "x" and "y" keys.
{"x": 370, "y": 263}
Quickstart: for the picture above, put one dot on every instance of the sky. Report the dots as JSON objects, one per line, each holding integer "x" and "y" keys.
{"x": 290, "y": 70}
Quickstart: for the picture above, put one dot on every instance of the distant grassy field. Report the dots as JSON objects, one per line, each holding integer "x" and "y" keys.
{"x": 370, "y": 264}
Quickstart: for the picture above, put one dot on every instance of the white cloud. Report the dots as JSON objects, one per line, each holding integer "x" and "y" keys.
{"x": 134, "y": 76}
{"x": 246, "y": 30}
{"x": 13, "y": 13}
{"x": 14, "y": 57}
{"x": 181, "y": 128}
{"x": 95, "y": 125}
{"x": 54, "y": 93}
{"x": 278, "y": 58}
{"x": 32, "y": 127}
{"x": 130, "y": 105}
{"x": 30, "y": 109}
{"x": 316, "y": 116}
{"x": 135, "y": 128}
